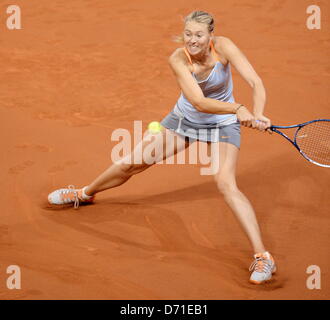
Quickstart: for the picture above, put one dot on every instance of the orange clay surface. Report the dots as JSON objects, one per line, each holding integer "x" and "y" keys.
{"x": 79, "y": 70}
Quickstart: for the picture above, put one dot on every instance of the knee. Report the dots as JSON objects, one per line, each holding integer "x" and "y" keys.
{"x": 225, "y": 185}
{"x": 130, "y": 169}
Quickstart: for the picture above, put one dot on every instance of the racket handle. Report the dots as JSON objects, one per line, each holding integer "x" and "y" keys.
{"x": 270, "y": 128}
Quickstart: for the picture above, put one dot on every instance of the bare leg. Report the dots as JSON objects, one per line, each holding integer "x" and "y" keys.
{"x": 118, "y": 173}
{"x": 227, "y": 155}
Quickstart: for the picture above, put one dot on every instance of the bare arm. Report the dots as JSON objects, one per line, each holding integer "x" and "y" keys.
{"x": 245, "y": 69}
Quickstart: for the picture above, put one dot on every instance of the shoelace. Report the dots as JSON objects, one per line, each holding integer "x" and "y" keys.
{"x": 72, "y": 189}
{"x": 260, "y": 264}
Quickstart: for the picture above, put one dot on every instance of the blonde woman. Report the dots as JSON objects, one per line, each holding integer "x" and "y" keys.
{"x": 202, "y": 68}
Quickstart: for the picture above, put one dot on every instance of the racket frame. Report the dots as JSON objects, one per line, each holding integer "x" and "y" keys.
{"x": 294, "y": 143}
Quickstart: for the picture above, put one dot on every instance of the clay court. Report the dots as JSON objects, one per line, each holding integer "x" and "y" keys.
{"x": 78, "y": 70}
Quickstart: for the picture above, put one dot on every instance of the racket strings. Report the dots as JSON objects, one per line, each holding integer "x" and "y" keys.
{"x": 314, "y": 141}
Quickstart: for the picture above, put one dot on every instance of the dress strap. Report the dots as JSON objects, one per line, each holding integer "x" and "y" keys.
{"x": 189, "y": 58}
{"x": 188, "y": 55}
{"x": 213, "y": 51}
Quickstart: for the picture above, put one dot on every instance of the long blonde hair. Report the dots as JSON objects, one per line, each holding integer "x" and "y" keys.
{"x": 200, "y": 17}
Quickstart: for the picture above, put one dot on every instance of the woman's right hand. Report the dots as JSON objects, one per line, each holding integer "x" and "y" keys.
{"x": 245, "y": 117}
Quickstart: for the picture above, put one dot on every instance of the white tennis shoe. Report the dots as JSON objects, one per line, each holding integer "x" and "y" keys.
{"x": 69, "y": 195}
{"x": 263, "y": 267}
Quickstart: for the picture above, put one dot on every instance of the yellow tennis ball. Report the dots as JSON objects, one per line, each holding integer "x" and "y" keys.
{"x": 154, "y": 127}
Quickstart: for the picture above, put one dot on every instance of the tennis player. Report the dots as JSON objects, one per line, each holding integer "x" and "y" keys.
{"x": 202, "y": 68}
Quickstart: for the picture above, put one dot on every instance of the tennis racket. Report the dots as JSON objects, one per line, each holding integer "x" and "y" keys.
{"x": 311, "y": 139}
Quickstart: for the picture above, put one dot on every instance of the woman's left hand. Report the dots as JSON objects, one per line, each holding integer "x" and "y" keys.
{"x": 262, "y": 123}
